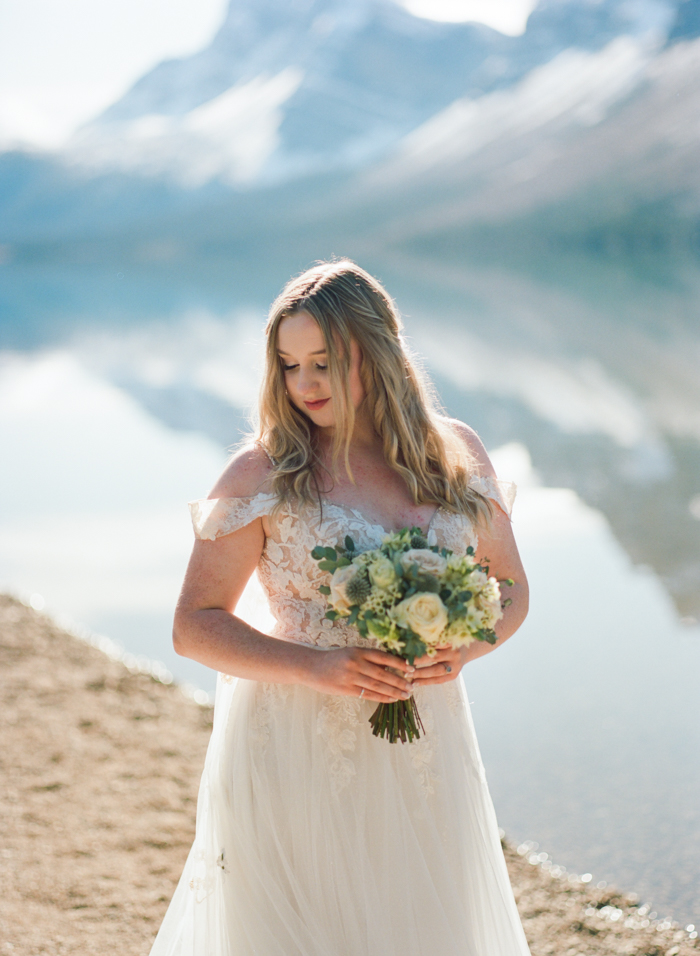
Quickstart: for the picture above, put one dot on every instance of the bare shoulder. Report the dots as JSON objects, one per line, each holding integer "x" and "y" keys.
{"x": 473, "y": 443}
{"x": 247, "y": 473}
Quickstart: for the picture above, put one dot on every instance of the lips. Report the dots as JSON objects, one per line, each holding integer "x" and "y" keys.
{"x": 315, "y": 406}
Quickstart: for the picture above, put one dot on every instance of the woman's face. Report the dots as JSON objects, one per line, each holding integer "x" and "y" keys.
{"x": 302, "y": 352}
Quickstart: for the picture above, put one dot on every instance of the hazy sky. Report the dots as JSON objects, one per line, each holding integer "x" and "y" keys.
{"x": 63, "y": 61}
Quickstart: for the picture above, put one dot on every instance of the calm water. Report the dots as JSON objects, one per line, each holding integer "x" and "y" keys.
{"x": 120, "y": 391}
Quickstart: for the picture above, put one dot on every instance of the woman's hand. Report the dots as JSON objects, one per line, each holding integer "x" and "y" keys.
{"x": 443, "y": 667}
{"x": 351, "y": 670}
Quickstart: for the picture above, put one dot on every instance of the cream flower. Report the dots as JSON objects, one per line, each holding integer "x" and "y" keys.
{"x": 382, "y": 573}
{"x": 458, "y": 634}
{"x": 476, "y": 580}
{"x": 475, "y": 617}
{"x": 339, "y": 583}
{"x": 424, "y": 613}
{"x": 428, "y": 561}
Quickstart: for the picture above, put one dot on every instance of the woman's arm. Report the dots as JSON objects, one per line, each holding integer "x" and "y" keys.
{"x": 498, "y": 549}
{"x": 207, "y": 630}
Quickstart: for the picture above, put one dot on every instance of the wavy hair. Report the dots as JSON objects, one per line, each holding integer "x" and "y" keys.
{"x": 418, "y": 442}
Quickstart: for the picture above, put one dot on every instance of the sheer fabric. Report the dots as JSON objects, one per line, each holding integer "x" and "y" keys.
{"x": 315, "y": 838}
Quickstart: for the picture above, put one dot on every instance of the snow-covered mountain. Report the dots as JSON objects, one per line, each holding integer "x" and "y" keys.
{"x": 290, "y": 87}
{"x": 354, "y": 114}
{"x": 587, "y": 138}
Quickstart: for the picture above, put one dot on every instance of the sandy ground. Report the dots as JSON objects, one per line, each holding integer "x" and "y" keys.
{"x": 100, "y": 768}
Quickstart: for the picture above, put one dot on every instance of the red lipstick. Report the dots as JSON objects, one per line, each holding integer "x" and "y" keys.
{"x": 315, "y": 406}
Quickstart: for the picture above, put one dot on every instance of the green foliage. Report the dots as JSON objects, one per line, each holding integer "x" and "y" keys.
{"x": 413, "y": 646}
{"x": 359, "y": 588}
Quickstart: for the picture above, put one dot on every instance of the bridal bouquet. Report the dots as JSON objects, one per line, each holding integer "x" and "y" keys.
{"x": 411, "y": 597}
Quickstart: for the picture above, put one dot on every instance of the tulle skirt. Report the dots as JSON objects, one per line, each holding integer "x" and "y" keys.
{"x": 315, "y": 838}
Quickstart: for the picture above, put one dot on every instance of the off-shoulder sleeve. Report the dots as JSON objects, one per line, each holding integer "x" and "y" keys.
{"x": 502, "y": 492}
{"x": 214, "y": 517}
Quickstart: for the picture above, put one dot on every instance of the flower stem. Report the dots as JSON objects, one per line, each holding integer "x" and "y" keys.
{"x": 397, "y": 721}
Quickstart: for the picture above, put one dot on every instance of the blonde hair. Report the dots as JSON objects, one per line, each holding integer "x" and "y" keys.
{"x": 419, "y": 444}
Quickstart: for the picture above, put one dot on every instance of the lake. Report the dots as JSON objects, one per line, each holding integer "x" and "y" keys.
{"x": 121, "y": 389}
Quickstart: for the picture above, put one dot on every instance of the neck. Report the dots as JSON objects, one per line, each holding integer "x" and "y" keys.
{"x": 364, "y": 437}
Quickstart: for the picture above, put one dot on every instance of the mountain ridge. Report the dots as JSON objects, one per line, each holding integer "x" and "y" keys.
{"x": 270, "y": 115}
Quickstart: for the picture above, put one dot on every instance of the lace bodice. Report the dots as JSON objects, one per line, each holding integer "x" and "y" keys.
{"x": 289, "y": 575}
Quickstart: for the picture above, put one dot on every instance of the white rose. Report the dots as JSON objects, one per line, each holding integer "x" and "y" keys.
{"x": 428, "y": 561}
{"x": 425, "y": 614}
{"x": 339, "y": 583}
{"x": 382, "y": 573}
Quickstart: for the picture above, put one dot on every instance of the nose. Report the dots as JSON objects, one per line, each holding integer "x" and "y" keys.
{"x": 307, "y": 380}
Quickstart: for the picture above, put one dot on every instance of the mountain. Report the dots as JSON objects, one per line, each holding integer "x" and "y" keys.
{"x": 308, "y": 92}
{"x": 294, "y": 87}
{"x": 589, "y": 144}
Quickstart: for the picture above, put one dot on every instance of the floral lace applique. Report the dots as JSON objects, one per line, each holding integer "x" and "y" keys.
{"x": 269, "y": 698}
{"x": 423, "y": 750}
{"x": 202, "y": 882}
{"x": 453, "y": 698}
{"x": 335, "y": 723}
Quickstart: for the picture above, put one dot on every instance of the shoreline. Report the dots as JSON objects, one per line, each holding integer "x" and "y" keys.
{"x": 101, "y": 764}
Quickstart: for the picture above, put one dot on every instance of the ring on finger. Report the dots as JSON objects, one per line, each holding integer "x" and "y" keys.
{"x": 448, "y": 668}
{"x": 362, "y": 692}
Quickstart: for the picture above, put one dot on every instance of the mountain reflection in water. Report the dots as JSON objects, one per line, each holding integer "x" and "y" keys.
{"x": 587, "y": 375}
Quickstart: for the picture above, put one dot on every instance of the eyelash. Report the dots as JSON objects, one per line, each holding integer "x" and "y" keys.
{"x": 289, "y": 368}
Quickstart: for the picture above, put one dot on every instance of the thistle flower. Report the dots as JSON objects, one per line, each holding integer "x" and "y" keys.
{"x": 358, "y": 589}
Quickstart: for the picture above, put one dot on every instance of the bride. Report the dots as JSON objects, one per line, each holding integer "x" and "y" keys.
{"x": 315, "y": 838}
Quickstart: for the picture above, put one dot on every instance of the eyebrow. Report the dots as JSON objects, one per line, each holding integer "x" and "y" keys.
{"x": 320, "y": 352}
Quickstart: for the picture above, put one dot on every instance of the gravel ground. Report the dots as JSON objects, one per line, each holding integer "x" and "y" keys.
{"x": 100, "y": 771}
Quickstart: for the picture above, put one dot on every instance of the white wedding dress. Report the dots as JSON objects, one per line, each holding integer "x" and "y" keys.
{"x": 315, "y": 838}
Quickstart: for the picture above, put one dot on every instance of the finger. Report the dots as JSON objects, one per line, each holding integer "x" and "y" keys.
{"x": 388, "y": 660}
{"x": 386, "y": 679}
{"x": 449, "y": 667}
{"x": 375, "y": 691}
{"x": 429, "y": 673}
{"x": 379, "y": 698}
{"x": 439, "y": 678}
{"x": 441, "y": 654}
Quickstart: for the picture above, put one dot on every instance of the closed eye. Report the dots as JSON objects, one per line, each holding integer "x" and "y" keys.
{"x": 290, "y": 368}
